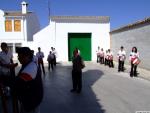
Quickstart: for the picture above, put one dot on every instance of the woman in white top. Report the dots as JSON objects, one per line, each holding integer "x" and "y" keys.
{"x": 134, "y": 55}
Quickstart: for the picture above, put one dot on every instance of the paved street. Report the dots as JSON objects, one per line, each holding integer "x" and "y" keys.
{"x": 104, "y": 91}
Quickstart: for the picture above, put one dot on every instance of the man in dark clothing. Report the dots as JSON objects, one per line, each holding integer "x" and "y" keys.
{"x": 28, "y": 83}
{"x": 78, "y": 65}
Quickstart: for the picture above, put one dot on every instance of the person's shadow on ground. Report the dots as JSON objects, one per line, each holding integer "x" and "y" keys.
{"x": 59, "y": 99}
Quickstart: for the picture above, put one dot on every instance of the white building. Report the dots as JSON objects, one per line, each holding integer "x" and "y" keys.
{"x": 17, "y": 27}
{"x": 67, "y": 32}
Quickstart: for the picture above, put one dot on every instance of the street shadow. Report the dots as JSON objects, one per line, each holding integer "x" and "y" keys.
{"x": 59, "y": 99}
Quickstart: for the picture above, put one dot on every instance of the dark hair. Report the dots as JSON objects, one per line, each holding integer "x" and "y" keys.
{"x": 121, "y": 47}
{"x": 135, "y": 49}
{"x": 32, "y": 51}
{"x": 25, "y": 51}
{"x": 4, "y": 44}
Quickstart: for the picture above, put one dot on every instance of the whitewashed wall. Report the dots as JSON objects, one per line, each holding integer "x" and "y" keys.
{"x": 29, "y": 26}
{"x": 100, "y": 36}
{"x": 7, "y": 36}
{"x": 45, "y": 40}
{"x": 56, "y": 35}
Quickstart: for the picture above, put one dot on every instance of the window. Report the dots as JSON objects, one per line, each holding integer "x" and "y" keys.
{"x": 8, "y": 25}
{"x": 17, "y": 45}
{"x": 10, "y": 46}
{"x": 17, "y": 25}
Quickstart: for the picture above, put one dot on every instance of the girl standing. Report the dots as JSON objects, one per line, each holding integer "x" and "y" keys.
{"x": 134, "y": 59}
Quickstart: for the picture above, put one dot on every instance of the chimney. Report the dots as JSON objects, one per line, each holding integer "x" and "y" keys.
{"x": 24, "y": 7}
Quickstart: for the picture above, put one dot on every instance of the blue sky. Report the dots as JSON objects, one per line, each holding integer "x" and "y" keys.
{"x": 121, "y": 12}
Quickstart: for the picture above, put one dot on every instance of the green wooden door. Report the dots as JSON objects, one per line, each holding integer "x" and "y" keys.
{"x": 82, "y": 41}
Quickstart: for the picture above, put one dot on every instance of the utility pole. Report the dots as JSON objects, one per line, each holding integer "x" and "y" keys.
{"x": 48, "y": 10}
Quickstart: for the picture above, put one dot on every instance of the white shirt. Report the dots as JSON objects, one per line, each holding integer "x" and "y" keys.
{"x": 98, "y": 52}
{"x": 133, "y": 55}
{"x": 121, "y": 55}
{"x": 35, "y": 59}
{"x": 40, "y": 54}
{"x": 5, "y": 58}
{"x": 106, "y": 55}
{"x": 110, "y": 53}
{"x": 29, "y": 72}
{"x": 78, "y": 52}
{"x": 101, "y": 53}
{"x": 54, "y": 53}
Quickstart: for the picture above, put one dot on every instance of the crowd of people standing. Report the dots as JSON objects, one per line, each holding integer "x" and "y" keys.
{"x": 26, "y": 87}
{"x": 51, "y": 59}
{"x": 28, "y": 82}
{"x": 107, "y": 57}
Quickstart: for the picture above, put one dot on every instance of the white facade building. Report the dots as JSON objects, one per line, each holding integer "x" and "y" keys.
{"x": 17, "y": 27}
{"x": 65, "y": 32}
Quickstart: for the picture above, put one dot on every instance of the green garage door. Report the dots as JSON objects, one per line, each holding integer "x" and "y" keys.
{"x": 82, "y": 41}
